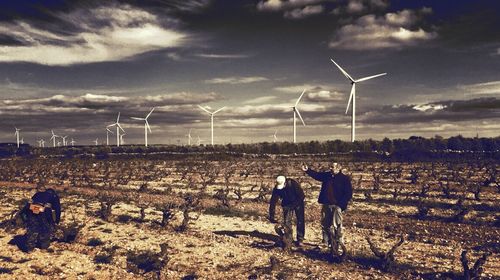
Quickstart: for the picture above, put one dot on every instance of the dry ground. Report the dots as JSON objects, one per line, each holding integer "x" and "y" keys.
{"x": 238, "y": 243}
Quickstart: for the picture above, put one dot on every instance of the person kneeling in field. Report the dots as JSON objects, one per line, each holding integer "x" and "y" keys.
{"x": 292, "y": 201}
{"x": 335, "y": 194}
{"x": 41, "y": 214}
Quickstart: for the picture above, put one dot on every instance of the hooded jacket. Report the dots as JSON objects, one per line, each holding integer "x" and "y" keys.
{"x": 291, "y": 196}
{"x": 45, "y": 198}
{"x": 335, "y": 189}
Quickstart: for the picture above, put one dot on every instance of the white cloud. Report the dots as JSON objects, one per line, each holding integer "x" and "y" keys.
{"x": 355, "y": 6}
{"x": 487, "y": 88}
{"x": 222, "y": 56}
{"x": 260, "y": 100}
{"x": 429, "y": 107}
{"x": 307, "y": 11}
{"x": 394, "y": 30}
{"x": 127, "y": 32}
{"x": 280, "y": 5}
{"x": 236, "y": 80}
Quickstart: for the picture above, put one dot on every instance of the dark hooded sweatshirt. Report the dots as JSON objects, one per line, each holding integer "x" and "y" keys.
{"x": 45, "y": 198}
{"x": 291, "y": 196}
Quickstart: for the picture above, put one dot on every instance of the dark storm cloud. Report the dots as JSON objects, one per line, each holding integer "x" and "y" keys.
{"x": 449, "y": 111}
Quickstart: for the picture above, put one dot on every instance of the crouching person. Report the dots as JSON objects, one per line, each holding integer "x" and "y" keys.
{"x": 292, "y": 202}
{"x": 41, "y": 214}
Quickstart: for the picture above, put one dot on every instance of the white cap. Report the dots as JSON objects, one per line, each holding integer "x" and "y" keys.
{"x": 281, "y": 182}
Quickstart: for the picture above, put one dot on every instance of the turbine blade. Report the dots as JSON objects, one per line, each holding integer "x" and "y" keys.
{"x": 343, "y": 71}
{"x": 298, "y": 113}
{"x": 370, "y": 77}
{"x": 118, "y": 118}
{"x": 205, "y": 109}
{"x": 120, "y": 127}
{"x": 150, "y": 112}
{"x": 135, "y": 118}
{"x": 353, "y": 89}
{"x": 218, "y": 110}
{"x": 298, "y": 100}
{"x": 147, "y": 125}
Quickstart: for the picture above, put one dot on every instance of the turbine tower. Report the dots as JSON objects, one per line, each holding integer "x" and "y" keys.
{"x": 275, "y": 138}
{"x": 296, "y": 113}
{"x": 352, "y": 96}
{"x": 64, "y": 140}
{"x": 53, "y": 138}
{"x": 211, "y": 119}
{"x": 199, "y": 140}
{"x": 118, "y": 127}
{"x": 107, "y": 135}
{"x": 189, "y": 137}
{"x": 121, "y": 139}
{"x": 41, "y": 143}
{"x": 96, "y": 141}
{"x": 72, "y": 142}
{"x": 146, "y": 126}
{"x": 17, "y": 135}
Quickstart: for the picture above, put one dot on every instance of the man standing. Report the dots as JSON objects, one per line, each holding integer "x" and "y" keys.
{"x": 335, "y": 194}
{"x": 41, "y": 214}
{"x": 292, "y": 201}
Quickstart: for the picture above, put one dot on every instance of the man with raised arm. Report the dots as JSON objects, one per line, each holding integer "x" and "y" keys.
{"x": 335, "y": 194}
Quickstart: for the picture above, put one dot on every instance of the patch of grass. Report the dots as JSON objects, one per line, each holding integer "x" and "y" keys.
{"x": 93, "y": 242}
{"x": 147, "y": 260}
{"x": 105, "y": 256}
{"x": 124, "y": 218}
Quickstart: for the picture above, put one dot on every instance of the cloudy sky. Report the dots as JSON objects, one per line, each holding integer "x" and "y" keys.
{"x": 71, "y": 66}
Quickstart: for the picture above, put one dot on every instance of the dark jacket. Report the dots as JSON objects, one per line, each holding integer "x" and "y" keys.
{"x": 291, "y": 196}
{"x": 50, "y": 200}
{"x": 335, "y": 189}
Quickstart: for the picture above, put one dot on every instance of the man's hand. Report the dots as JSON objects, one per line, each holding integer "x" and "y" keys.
{"x": 304, "y": 167}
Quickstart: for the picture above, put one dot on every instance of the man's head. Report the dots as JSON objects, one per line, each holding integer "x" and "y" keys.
{"x": 280, "y": 182}
{"x": 336, "y": 167}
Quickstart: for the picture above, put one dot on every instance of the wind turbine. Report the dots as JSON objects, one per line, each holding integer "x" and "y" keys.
{"x": 275, "y": 138}
{"x": 53, "y": 138}
{"x": 107, "y": 135}
{"x": 296, "y": 113}
{"x": 121, "y": 139}
{"x": 189, "y": 137}
{"x": 146, "y": 126}
{"x": 211, "y": 119}
{"x": 118, "y": 127}
{"x": 22, "y": 141}
{"x": 41, "y": 143}
{"x": 352, "y": 96}
{"x": 64, "y": 140}
{"x": 17, "y": 135}
{"x": 199, "y": 141}
{"x": 72, "y": 142}
{"x": 96, "y": 141}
